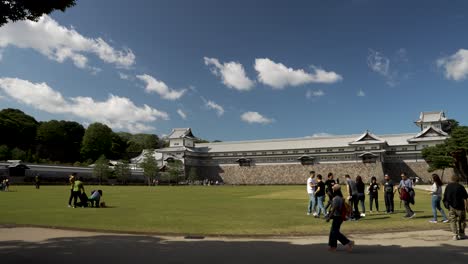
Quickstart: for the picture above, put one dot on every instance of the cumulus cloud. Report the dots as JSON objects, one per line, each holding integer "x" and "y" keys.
{"x": 232, "y": 73}
{"x": 278, "y": 76}
{"x": 182, "y": 114}
{"x": 315, "y": 93}
{"x": 60, "y": 43}
{"x": 159, "y": 87}
{"x": 320, "y": 134}
{"x": 455, "y": 66}
{"x": 124, "y": 76}
{"x": 117, "y": 112}
{"x": 380, "y": 64}
{"x": 255, "y": 117}
{"x": 214, "y": 106}
{"x": 361, "y": 93}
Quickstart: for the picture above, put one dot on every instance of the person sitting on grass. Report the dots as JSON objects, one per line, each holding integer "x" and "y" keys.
{"x": 95, "y": 198}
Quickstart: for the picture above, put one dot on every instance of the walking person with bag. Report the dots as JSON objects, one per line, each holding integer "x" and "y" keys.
{"x": 436, "y": 193}
{"x": 336, "y": 215}
{"x": 407, "y": 194}
{"x": 71, "y": 181}
{"x": 456, "y": 201}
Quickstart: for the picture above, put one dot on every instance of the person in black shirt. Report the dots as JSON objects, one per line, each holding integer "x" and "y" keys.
{"x": 374, "y": 193}
{"x": 320, "y": 194}
{"x": 361, "y": 196}
{"x": 456, "y": 200}
{"x": 389, "y": 193}
{"x": 328, "y": 189}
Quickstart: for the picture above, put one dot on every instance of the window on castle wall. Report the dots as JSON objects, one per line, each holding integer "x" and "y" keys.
{"x": 317, "y": 150}
{"x": 306, "y": 151}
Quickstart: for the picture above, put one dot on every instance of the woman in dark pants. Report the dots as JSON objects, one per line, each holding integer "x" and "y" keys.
{"x": 337, "y": 220}
{"x": 71, "y": 180}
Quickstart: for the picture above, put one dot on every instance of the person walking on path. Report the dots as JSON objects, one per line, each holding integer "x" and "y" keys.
{"x": 456, "y": 200}
{"x": 407, "y": 194}
{"x": 389, "y": 193}
{"x": 311, "y": 183}
{"x": 320, "y": 195}
{"x": 337, "y": 219}
{"x": 352, "y": 197}
{"x": 374, "y": 193}
{"x": 436, "y": 193}
{"x": 361, "y": 195}
{"x": 328, "y": 189}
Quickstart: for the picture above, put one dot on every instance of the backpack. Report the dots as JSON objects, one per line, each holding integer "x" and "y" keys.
{"x": 346, "y": 211}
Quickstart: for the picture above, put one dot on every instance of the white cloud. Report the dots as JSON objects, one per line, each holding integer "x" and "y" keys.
{"x": 212, "y": 105}
{"x": 321, "y": 134}
{"x": 232, "y": 74}
{"x": 117, "y": 112}
{"x": 381, "y": 65}
{"x": 255, "y": 117}
{"x": 455, "y": 66}
{"x": 60, "y": 43}
{"x": 361, "y": 93}
{"x": 316, "y": 93}
{"x": 182, "y": 114}
{"x": 278, "y": 76}
{"x": 159, "y": 87}
{"x": 124, "y": 76}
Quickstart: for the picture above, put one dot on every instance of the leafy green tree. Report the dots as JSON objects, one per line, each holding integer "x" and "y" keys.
{"x": 149, "y": 166}
{"x": 118, "y": 148}
{"x": 4, "y": 152}
{"x": 59, "y": 140}
{"x": 193, "y": 175}
{"x": 122, "y": 171}
{"x": 14, "y": 10}
{"x": 18, "y": 154}
{"x": 18, "y": 129}
{"x": 175, "y": 171}
{"x": 451, "y": 154}
{"x": 101, "y": 169}
{"x": 97, "y": 141}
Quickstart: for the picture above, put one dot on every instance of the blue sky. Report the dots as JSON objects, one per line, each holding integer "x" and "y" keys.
{"x": 238, "y": 70}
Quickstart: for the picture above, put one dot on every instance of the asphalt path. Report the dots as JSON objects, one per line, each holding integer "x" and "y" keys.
{"x": 54, "y": 246}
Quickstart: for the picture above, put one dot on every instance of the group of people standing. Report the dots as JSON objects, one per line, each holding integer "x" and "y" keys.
{"x": 455, "y": 199}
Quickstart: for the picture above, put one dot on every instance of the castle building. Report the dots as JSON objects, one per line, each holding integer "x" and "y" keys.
{"x": 288, "y": 160}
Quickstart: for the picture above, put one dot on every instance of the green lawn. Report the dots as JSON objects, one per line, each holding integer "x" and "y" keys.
{"x": 196, "y": 210}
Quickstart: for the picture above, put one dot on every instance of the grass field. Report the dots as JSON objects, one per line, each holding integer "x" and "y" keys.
{"x": 197, "y": 210}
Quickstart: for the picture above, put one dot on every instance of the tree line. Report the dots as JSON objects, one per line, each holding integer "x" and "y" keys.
{"x": 66, "y": 142}
{"x": 453, "y": 153}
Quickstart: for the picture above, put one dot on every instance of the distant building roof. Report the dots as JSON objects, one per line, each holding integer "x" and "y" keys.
{"x": 368, "y": 138}
{"x": 181, "y": 133}
{"x": 425, "y": 117}
{"x": 298, "y": 143}
{"x": 429, "y": 134}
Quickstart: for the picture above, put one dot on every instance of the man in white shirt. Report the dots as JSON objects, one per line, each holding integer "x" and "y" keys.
{"x": 311, "y": 185}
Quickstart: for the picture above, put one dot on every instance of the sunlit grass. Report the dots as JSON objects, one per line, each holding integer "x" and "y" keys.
{"x": 206, "y": 210}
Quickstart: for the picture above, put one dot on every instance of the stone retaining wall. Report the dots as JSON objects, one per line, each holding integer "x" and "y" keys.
{"x": 297, "y": 173}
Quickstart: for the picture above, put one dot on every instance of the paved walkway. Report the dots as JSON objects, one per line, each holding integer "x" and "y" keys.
{"x": 54, "y": 246}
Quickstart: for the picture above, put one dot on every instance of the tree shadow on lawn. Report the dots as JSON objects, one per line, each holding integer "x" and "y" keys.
{"x": 148, "y": 249}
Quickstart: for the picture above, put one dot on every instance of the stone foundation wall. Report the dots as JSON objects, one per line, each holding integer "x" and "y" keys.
{"x": 413, "y": 169}
{"x": 297, "y": 173}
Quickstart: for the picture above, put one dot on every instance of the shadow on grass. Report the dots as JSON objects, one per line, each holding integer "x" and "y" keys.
{"x": 148, "y": 249}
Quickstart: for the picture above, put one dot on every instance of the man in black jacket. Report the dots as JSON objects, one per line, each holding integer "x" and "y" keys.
{"x": 456, "y": 200}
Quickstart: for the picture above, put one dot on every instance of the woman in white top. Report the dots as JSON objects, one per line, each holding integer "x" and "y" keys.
{"x": 436, "y": 192}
